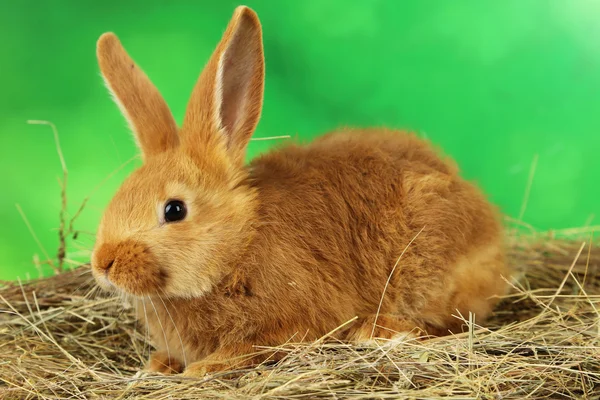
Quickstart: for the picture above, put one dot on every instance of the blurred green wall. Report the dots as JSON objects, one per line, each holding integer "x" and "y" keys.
{"x": 495, "y": 83}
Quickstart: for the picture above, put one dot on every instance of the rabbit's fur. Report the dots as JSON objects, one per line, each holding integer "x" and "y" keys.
{"x": 368, "y": 223}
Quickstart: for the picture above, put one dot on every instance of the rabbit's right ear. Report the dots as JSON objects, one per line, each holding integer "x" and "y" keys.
{"x": 226, "y": 102}
{"x": 139, "y": 100}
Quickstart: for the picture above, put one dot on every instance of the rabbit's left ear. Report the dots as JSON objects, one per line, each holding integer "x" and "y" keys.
{"x": 139, "y": 100}
{"x": 226, "y": 102}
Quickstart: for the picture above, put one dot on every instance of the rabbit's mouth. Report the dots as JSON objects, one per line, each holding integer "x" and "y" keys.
{"x": 128, "y": 266}
{"x": 103, "y": 281}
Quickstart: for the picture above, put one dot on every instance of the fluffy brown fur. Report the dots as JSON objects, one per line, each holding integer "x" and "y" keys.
{"x": 372, "y": 224}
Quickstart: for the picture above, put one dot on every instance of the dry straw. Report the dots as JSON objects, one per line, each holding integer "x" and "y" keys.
{"x": 62, "y": 338}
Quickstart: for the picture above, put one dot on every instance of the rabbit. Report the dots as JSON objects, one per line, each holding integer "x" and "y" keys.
{"x": 359, "y": 235}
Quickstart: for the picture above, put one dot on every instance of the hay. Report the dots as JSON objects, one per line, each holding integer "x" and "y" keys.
{"x": 62, "y": 338}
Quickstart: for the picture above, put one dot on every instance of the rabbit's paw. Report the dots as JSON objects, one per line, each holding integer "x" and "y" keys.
{"x": 161, "y": 362}
{"x": 379, "y": 329}
{"x": 200, "y": 369}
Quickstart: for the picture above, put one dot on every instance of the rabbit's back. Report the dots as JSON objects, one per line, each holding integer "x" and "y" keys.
{"x": 343, "y": 209}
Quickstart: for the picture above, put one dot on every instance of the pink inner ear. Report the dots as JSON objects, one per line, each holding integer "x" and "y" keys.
{"x": 235, "y": 74}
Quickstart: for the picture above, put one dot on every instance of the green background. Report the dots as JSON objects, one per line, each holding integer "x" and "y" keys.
{"x": 495, "y": 83}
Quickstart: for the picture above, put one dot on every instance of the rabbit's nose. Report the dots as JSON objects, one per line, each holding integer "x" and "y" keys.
{"x": 105, "y": 265}
{"x": 108, "y": 266}
{"x": 104, "y": 258}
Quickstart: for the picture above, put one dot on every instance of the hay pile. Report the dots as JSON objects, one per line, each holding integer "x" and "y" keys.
{"x": 61, "y": 338}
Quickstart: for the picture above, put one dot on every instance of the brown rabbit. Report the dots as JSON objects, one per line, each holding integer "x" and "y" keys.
{"x": 221, "y": 257}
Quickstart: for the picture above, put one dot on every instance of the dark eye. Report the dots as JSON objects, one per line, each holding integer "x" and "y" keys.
{"x": 175, "y": 211}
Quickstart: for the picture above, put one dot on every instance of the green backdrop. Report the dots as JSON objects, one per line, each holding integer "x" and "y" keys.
{"x": 495, "y": 83}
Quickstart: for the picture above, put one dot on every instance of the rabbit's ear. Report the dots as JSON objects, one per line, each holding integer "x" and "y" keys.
{"x": 226, "y": 102}
{"x": 139, "y": 100}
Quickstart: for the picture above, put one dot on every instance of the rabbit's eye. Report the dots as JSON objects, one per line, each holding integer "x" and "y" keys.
{"x": 175, "y": 211}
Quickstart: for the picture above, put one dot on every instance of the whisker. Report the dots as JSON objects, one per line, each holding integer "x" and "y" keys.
{"x": 136, "y": 306}
{"x": 147, "y": 334}
{"x": 92, "y": 292}
{"x": 85, "y": 282}
{"x": 86, "y": 270}
{"x": 161, "y": 327}
{"x": 174, "y": 326}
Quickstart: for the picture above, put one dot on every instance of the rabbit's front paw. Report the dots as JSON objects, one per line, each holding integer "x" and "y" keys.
{"x": 238, "y": 357}
{"x": 161, "y": 362}
{"x": 385, "y": 328}
{"x": 200, "y": 369}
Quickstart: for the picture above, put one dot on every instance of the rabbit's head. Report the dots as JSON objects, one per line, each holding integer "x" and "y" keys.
{"x": 187, "y": 212}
